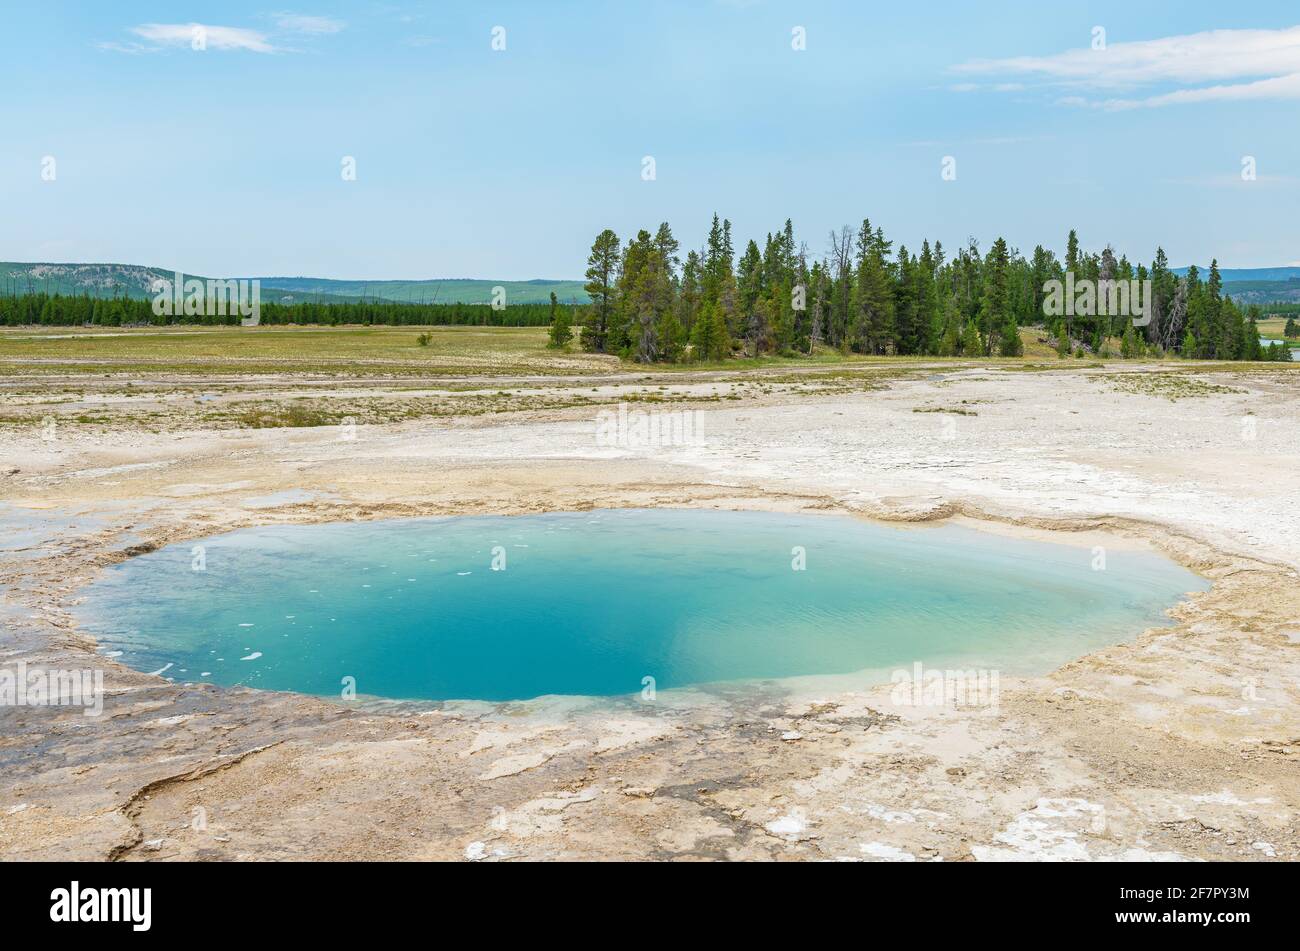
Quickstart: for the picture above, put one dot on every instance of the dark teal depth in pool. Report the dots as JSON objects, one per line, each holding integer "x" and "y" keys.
{"x": 592, "y": 603}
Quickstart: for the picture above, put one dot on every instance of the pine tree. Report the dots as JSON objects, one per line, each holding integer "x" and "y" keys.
{"x": 817, "y": 293}
{"x": 995, "y": 316}
{"x": 709, "y": 341}
{"x": 759, "y": 328}
{"x": 801, "y": 318}
{"x": 1128, "y": 345}
{"x": 1233, "y": 332}
{"x": 1173, "y": 336}
{"x": 1071, "y": 267}
{"x": 949, "y": 343}
{"x": 783, "y": 318}
{"x": 1253, "y": 349}
{"x": 667, "y": 246}
{"x": 1010, "y": 344}
{"x": 671, "y": 336}
{"x": 1164, "y": 287}
{"x": 1042, "y": 270}
{"x": 727, "y": 308}
{"x": 873, "y": 303}
{"x": 928, "y": 311}
{"x": 1196, "y": 325}
{"x": 713, "y": 261}
{"x": 1223, "y": 336}
{"x": 561, "y": 327}
{"x": 688, "y": 302}
{"x": 602, "y": 271}
{"x": 907, "y": 332}
{"x": 749, "y": 279}
{"x": 1108, "y": 271}
{"x": 700, "y": 331}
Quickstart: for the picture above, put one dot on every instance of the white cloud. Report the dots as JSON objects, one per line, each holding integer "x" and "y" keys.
{"x": 1236, "y": 64}
{"x": 1279, "y": 87}
{"x": 300, "y": 23}
{"x": 131, "y": 49}
{"x": 213, "y": 37}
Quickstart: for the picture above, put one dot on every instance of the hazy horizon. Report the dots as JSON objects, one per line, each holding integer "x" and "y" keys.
{"x": 550, "y": 279}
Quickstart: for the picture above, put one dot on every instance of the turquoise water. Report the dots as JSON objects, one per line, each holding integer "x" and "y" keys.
{"x": 591, "y": 603}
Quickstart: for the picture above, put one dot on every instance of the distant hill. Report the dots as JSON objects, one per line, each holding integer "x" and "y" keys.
{"x": 133, "y": 280}
{"x": 1231, "y": 275}
{"x": 98, "y": 280}
{"x": 1257, "y": 285}
{"x": 460, "y": 290}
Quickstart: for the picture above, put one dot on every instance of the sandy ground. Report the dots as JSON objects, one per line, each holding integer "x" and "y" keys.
{"x": 1183, "y": 743}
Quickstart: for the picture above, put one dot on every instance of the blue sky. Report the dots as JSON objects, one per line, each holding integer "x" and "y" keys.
{"x": 504, "y": 164}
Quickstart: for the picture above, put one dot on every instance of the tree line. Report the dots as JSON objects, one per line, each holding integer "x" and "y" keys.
{"x": 650, "y": 304}
{"x": 83, "y": 310}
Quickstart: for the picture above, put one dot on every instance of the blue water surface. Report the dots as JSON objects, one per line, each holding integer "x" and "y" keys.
{"x": 592, "y": 603}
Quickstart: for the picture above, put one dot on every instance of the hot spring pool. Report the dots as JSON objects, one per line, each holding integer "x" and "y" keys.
{"x": 593, "y": 603}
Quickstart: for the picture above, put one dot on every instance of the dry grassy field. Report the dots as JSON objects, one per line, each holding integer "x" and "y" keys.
{"x": 100, "y": 381}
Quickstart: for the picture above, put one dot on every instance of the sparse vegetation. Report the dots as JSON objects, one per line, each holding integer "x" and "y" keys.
{"x": 170, "y": 379}
{"x": 1170, "y": 386}
{"x": 955, "y": 410}
{"x": 283, "y": 417}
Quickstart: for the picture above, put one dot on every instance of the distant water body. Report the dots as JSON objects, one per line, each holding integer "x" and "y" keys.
{"x": 1295, "y": 351}
{"x": 593, "y": 603}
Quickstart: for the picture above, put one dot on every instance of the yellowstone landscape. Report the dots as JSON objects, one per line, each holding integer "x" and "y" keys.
{"x": 616, "y": 435}
{"x": 1179, "y": 743}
